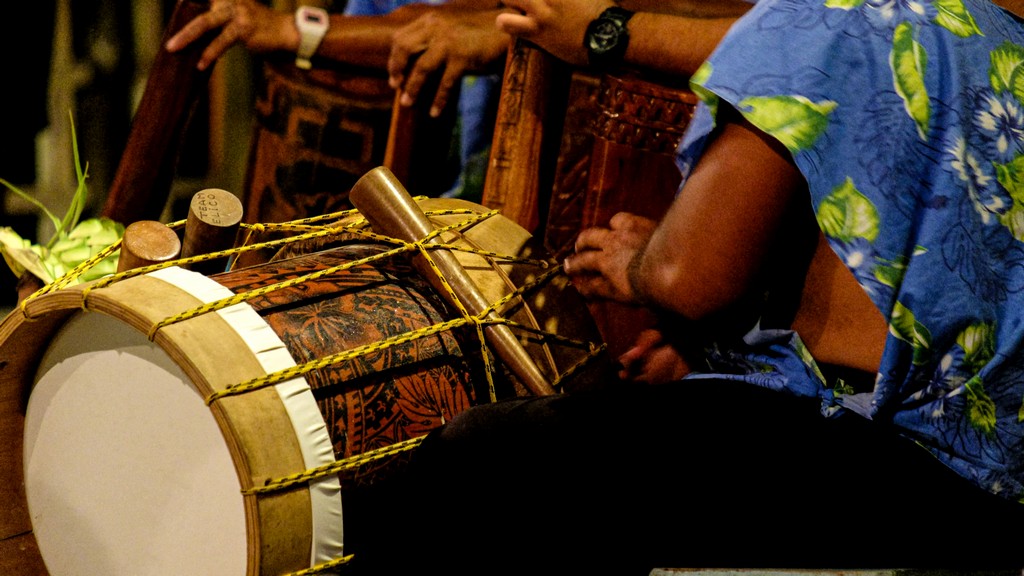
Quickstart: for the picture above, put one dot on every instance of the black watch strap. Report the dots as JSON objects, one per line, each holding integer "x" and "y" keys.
{"x": 607, "y": 38}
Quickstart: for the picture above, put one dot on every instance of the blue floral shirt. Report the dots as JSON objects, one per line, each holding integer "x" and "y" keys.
{"x": 906, "y": 117}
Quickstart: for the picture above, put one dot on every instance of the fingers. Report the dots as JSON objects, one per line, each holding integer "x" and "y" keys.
{"x": 652, "y": 360}
{"x": 418, "y": 52}
{"x": 584, "y": 261}
{"x": 218, "y": 16}
{"x": 449, "y": 79}
{"x": 633, "y": 223}
{"x": 402, "y": 52}
{"x": 217, "y": 47}
{"x": 190, "y": 32}
{"x": 425, "y": 64}
{"x": 592, "y": 239}
{"x": 516, "y": 24}
{"x": 593, "y": 286}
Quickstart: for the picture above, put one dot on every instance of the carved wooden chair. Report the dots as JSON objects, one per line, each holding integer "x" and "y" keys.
{"x": 572, "y": 148}
{"x": 315, "y": 133}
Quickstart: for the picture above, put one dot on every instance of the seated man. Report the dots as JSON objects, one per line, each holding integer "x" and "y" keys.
{"x": 850, "y": 162}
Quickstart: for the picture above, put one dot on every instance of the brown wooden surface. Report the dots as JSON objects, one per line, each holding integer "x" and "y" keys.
{"x": 567, "y": 157}
{"x": 419, "y": 147}
{"x": 315, "y": 133}
{"x": 214, "y": 216}
{"x": 19, "y": 556}
{"x": 632, "y": 168}
{"x": 147, "y": 242}
{"x": 21, "y": 344}
{"x": 526, "y": 135}
{"x": 617, "y": 153}
{"x": 565, "y": 208}
{"x": 144, "y": 176}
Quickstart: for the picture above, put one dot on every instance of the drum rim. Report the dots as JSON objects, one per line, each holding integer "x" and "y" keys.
{"x": 263, "y": 448}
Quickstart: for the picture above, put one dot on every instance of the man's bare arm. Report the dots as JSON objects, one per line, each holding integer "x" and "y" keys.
{"x": 673, "y": 37}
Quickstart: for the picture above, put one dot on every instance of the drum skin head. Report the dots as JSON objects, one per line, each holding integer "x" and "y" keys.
{"x": 126, "y": 470}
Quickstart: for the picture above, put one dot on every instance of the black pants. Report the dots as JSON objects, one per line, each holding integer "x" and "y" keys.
{"x": 693, "y": 474}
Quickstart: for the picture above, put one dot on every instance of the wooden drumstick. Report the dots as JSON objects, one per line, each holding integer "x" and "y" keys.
{"x": 214, "y": 216}
{"x": 147, "y": 242}
{"x": 390, "y": 210}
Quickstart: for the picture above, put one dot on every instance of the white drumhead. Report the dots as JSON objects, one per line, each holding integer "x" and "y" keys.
{"x": 126, "y": 471}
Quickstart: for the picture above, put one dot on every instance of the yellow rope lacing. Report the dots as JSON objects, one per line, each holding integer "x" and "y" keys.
{"x": 323, "y": 567}
{"x": 307, "y": 229}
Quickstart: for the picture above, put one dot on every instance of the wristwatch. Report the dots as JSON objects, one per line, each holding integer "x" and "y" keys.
{"x": 312, "y": 23}
{"x": 607, "y": 38}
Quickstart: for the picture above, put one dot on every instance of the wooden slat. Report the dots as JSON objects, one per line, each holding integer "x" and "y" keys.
{"x": 526, "y": 135}
{"x": 143, "y": 179}
{"x": 23, "y": 342}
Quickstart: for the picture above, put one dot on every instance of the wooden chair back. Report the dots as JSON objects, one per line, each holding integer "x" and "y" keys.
{"x": 571, "y": 148}
{"x": 315, "y": 133}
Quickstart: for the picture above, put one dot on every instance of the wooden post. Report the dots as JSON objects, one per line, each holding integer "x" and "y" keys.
{"x": 143, "y": 179}
{"x": 526, "y": 135}
{"x": 147, "y": 242}
{"x": 214, "y": 216}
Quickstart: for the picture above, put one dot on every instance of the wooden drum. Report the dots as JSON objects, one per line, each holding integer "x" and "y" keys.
{"x": 167, "y": 422}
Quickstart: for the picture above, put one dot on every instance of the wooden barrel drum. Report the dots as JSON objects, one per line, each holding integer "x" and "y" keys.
{"x": 172, "y": 422}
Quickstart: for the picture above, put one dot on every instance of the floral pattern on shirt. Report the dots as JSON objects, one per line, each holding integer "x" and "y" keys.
{"x": 906, "y": 117}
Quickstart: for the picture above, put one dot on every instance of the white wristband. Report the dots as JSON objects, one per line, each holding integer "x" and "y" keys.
{"x": 312, "y": 23}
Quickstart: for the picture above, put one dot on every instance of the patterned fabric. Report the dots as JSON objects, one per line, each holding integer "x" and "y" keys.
{"x": 906, "y": 119}
{"x": 478, "y": 105}
{"x": 379, "y": 7}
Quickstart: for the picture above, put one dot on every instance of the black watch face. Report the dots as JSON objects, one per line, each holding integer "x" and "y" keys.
{"x": 603, "y": 35}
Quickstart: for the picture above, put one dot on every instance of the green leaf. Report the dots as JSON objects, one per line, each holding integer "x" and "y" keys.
{"x": 981, "y": 410}
{"x": 1017, "y": 84}
{"x": 1005, "y": 60}
{"x": 953, "y": 16}
{"x": 903, "y": 325}
{"x": 73, "y": 242}
{"x": 697, "y": 81}
{"x": 846, "y": 214}
{"x": 1011, "y": 177}
{"x": 794, "y": 120}
{"x": 843, "y": 4}
{"x": 28, "y": 198}
{"x": 19, "y": 254}
{"x": 81, "y": 195}
{"x": 71, "y": 256}
{"x": 891, "y": 273}
{"x": 979, "y": 344}
{"x": 908, "y": 62}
